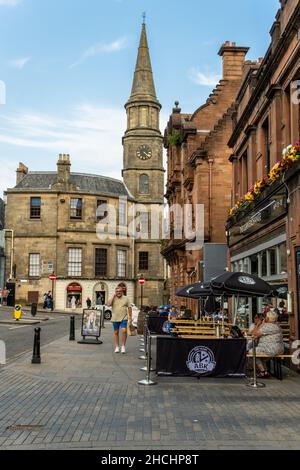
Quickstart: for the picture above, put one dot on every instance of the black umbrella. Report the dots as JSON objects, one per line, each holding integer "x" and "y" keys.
{"x": 197, "y": 291}
{"x": 242, "y": 284}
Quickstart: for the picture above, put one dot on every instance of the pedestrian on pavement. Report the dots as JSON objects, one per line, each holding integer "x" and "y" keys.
{"x": 45, "y": 305}
{"x": 88, "y": 303}
{"x": 121, "y": 315}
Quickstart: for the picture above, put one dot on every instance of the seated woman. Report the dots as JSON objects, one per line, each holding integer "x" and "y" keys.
{"x": 270, "y": 340}
{"x": 173, "y": 314}
{"x": 258, "y": 320}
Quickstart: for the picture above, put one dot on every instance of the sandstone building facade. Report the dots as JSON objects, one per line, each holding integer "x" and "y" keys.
{"x": 55, "y": 215}
{"x": 264, "y": 232}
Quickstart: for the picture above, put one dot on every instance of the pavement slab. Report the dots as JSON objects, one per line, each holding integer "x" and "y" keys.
{"x": 87, "y": 397}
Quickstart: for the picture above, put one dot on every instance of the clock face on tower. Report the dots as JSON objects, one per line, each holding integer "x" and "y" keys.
{"x": 144, "y": 152}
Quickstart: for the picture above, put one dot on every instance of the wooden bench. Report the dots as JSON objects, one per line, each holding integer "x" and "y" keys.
{"x": 275, "y": 360}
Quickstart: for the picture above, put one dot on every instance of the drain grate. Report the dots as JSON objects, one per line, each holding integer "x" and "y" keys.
{"x": 24, "y": 427}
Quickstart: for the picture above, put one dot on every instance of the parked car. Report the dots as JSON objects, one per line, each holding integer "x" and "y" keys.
{"x": 108, "y": 313}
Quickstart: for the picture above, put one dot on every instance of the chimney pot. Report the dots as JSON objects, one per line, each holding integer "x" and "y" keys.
{"x": 22, "y": 171}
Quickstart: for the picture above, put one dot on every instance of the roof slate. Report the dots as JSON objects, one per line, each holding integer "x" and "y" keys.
{"x": 83, "y": 182}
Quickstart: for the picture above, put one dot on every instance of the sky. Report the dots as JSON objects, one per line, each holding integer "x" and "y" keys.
{"x": 66, "y": 70}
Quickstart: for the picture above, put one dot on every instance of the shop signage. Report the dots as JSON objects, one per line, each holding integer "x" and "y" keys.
{"x": 272, "y": 208}
{"x": 91, "y": 323}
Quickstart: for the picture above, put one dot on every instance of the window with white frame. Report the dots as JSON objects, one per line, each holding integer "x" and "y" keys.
{"x": 75, "y": 262}
{"x": 123, "y": 212}
{"x": 34, "y": 265}
{"x": 121, "y": 263}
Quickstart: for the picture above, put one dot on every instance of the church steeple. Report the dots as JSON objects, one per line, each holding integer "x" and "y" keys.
{"x": 143, "y": 88}
{"x": 143, "y": 143}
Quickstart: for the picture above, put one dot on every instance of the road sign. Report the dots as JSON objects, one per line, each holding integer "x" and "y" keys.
{"x": 18, "y": 312}
{"x": 141, "y": 281}
{"x": 52, "y": 277}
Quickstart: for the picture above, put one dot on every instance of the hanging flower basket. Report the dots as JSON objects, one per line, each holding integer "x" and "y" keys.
{"x": 290, "y": 156}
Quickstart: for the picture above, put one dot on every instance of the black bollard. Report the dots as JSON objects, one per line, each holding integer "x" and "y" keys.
{"x": 72, "y": 328}
{"x": 36, "y": 357}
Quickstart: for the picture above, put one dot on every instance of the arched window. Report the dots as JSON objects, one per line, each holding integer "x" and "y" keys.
{"x": 144, "y": 184}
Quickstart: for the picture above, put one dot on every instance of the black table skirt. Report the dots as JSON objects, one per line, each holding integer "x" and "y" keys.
{"x": 201, "y": 357}
{"x": 155, "y": 324}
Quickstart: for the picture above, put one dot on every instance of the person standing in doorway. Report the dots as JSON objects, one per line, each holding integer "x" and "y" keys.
{"x": 121, "y": 315}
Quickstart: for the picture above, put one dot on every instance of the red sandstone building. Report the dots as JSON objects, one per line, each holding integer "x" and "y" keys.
{"x": 199, "y": 172}
{"x": 264, "y": 231}
{"x": 217, "y": 155}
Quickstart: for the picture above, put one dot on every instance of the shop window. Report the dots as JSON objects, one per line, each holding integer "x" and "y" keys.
{"x": 273, "y": 261}
{"x": 283, "y": 258}
{"x": 74, "y": 295}
{"x": 264, "y": 264}
{"x": 254, "y": 264}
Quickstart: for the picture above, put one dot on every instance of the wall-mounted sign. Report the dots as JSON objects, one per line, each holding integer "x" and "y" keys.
{"x": 271, "y": 209}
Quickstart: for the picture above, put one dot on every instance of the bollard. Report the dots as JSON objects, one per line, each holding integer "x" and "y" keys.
{"x": 254, "y": 383}
{"x": 102, "y": 318}
{"x": 148, "y": 380}
{"x": 72, "y": 328}
{"x": 36, "y": 357}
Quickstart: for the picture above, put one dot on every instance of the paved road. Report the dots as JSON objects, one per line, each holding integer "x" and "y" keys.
{"x": 19, "y": 338}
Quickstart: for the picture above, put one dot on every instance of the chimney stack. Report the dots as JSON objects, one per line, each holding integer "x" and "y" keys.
{"x": 22, "y": 171}
{"x": 63, "y": 168}
{"x": 233, "y": 60}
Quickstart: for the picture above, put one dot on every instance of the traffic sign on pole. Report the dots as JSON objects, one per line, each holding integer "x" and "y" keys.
{"x": 141, "y": 281}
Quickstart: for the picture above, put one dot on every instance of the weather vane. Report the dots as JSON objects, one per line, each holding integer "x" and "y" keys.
{"x": 144, "y": 17}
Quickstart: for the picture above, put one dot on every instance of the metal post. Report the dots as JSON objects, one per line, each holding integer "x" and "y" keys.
{"x": 254, "y": 383}
{"x": 143, "y": 358}
{"x": 148, "y": 381}
{"x": 142, "y": 296}
{"x": 72, "y": 328}
{"x": 36, "y": 357}
{"x": 102, "y": 318}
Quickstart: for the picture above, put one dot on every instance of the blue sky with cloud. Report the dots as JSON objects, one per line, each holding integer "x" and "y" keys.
{"x": 68, "y": 67}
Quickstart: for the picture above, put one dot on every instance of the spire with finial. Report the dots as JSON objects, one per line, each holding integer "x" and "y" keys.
{"x": 143, "y": 87}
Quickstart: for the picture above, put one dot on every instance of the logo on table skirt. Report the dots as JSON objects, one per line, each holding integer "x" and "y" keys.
{"x": 246, "y": 280}
{"x": 201, "y": 360}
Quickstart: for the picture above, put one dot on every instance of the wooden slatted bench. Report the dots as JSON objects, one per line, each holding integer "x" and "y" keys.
{"x": 276, "y": 360}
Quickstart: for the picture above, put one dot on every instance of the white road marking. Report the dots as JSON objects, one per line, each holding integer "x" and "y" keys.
{"x": 18, "y": 327}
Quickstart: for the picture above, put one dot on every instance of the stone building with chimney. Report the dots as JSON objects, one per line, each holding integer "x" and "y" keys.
{"x": 54, "y": 216}
{"x": 199, "y": 173}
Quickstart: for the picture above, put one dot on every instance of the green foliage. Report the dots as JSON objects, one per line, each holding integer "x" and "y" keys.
{"x": 174, "y": 138}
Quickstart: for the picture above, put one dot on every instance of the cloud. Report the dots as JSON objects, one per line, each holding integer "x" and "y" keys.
{"x": 201, "y": 78}
{"x": 102, "y": 48}
{"x": 19, "y": 63}
{"x": 10, "y": 3}
{"x": 91, "y": 134}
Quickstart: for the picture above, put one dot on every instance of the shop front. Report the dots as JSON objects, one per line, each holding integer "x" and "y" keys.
{"x": 258, "y": 245}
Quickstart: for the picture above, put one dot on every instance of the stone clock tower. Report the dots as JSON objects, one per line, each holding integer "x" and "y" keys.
{"x": 143, "y": 170}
